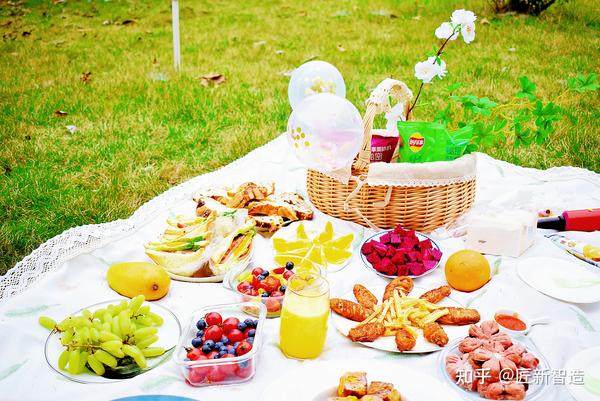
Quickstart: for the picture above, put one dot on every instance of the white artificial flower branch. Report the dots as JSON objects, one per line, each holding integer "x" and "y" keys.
{"x": 462, "y": 22}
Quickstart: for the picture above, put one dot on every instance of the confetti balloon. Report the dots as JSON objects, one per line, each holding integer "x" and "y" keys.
{"x": 312, "y": 78}
{"x": 325, "y": 132}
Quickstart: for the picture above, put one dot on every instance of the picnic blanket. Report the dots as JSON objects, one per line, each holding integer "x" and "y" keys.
{"x": 68, "y": 272}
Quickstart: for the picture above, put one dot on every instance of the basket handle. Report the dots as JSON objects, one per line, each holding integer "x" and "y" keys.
{"x": 377, "y": 103}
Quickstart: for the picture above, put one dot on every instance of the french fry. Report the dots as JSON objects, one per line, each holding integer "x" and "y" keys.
{"x": 386, "y": 307}
{"x": 433, "y": 316}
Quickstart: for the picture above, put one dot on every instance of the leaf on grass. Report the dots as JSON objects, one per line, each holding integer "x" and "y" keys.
{"x": 128, "y": 22}
{"x": 416, "y": 17}
{"x": 212, "y": 78}
{"x": 5, "y": 24}
{"x": 582, "y": 83}
{"x": 340, "y": 13}
{"x": 383, "y": 13}
{"x": 302, "y": 13}
{"x": 512, "y": 49}
{"x": 527, "y": 88}
{"x": 484, "y": 21}
{"x": 259, "y": 43}
{"x": 71, "y": 129}
{"x": 106, "y": 22}
{"x": 60, "y": 113}
{"x": 26, "y": 33}
{"x": 86, "y": 77}
{"x": 287, "y": 73}
{"x": 341, "y": 48}
{"x": 279, "y": 51}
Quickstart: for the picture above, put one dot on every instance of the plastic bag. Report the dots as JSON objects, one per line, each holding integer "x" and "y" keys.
{"x": 430, "y": 142}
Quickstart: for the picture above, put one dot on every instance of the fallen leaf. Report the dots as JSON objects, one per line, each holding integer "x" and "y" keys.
{"x": 58, "y": 1}
{"x": 416, "y": 17}
{"x": 58, "y": 43}
{"x": 71, "y": 128}
{"x": 15, "y": 54}
{"x": 341, "y": 48}
{"x": 86, "y": 77}
{"x": 383, "y": 13}
{"x": 128, "y": 22}
{"x": 26, "y": 33}
{"x": 302, "y": 13}
{"x": 512, "y": 49}
{"x": 287, "y": 73}
{"x": 340, "y": 13}
{"x": 212, "y": 78}
{"x": 60, "y": 113}
{"x": 279, "y": 52}
{"x": 484, "y": 21}
{"x": 259, "y": 43}
{"x": 106, "y": 22}
{"x": 7, "y": 23}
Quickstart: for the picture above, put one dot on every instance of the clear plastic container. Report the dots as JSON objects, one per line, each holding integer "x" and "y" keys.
{"x": 224, "y": 370}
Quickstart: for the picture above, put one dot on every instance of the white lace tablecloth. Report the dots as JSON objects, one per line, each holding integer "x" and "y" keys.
{"x": 68, "y": 272}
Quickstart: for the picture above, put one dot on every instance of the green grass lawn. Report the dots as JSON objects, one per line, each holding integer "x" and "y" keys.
{"x": 138, "y": 136}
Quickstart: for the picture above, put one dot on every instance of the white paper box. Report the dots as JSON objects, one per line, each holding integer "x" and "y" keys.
{"x": 502, "y": 234}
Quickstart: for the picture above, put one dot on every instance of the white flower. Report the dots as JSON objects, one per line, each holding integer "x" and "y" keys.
{"x": 395, "y": 114}
{"x": 445, "y": 31}
{"x": 468, "y": 32}
{"x": 463, "y": 17}
{"x": 429, "y": 69}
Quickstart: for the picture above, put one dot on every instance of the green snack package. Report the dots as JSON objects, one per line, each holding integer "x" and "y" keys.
{"x": 431, "y": 142}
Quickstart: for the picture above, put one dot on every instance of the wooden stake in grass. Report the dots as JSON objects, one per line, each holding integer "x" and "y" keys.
{"x": 176, "y": 47}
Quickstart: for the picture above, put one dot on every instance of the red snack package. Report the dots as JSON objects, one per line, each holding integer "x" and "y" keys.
{"x": 383, "y": 145}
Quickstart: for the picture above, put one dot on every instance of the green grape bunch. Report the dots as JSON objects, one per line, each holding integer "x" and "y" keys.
{"x": 98, "y": 341}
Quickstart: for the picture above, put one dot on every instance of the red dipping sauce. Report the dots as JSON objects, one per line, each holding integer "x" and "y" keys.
{"x": 511, "y": 322}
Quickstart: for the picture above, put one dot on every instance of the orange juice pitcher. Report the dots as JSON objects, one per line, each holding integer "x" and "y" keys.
{"x": 304, "y": 316}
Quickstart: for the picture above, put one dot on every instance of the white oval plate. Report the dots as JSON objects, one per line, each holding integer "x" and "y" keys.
{"x": 549, "y": 275}
{"x": 389, "y": 343}
{"x": 168, "y": 337}
{"x": 588, "y": 362}
{"x": 318, "y": 380}
{"x": 419, "y": 235}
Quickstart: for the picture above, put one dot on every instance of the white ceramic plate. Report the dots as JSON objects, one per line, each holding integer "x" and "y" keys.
{"x": 535, "y": 390}
{"x": 561, "y": 279}
{"x": 168, "y": 336}
{"x": 588, "y": 363}
{"x": 419, "y": 235}
{"x": 318, "y": 380}
{"x": 389, "y": 343}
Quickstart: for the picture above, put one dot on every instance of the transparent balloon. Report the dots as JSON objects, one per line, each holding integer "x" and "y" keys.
{"x": 325, "y": 131}
{"x": 312, "y": 78}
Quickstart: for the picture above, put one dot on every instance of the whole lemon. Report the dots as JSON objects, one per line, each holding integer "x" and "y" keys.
{"x": 134, "y": 278}
{"x": 467, "y": 270}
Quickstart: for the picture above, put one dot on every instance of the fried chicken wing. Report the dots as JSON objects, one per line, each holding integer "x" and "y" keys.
{"x": 367, "y": 332}
{"x": 437, "y": 294}
{"x": 364, "y": 296}
{"x": 435, "y": 334}
{"x": 405, "y": 341}
{"x": 349, "y": 310}
{"x": 459, "y": 317}
{"x": 403, "y": 283}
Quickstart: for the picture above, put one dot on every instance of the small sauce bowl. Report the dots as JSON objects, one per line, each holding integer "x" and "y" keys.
{"x": 515, "y": 323}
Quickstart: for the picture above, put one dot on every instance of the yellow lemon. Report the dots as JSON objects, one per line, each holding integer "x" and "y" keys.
{"x": 342, "y": 242}
{"x": 467, "y": 270}
{"x": 326, "y": 235}
{"x": 301, "y": 232}
{"x": 134, "y": 278}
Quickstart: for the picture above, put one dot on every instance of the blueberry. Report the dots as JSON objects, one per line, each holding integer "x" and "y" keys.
{"x": 221, "y": 353}
{"x": 218, "y": 345}
{"x": 282, "y": 288}
{"x": 260, "y": 278}
{"x": 244, "y": 364}
{"x": 251, "y": 333}
{"x": 235, "y": 344}
{"x": 265, "y": 273}
{"x": 196, "y": 342}
{"x": 255, "y": 323}
{"x": 231, "y": 351}
{"x": 209, "y": 343}
{"x": 289, "y": 265}
{"x": 201, "y": 324}
{"x": 216, "y": 356}
{"x": 265, "y": 295}
{"x": 225, "y": 340}
{"x": 249, "y": 322}
{"x": 250, "y": 340}
{"x": 206, "y": 349}
{"x": 199, "y": 333}
{"x": 242, "y": 326}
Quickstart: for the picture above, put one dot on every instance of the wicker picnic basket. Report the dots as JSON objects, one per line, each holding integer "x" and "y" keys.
{"x": 414, "y": 202}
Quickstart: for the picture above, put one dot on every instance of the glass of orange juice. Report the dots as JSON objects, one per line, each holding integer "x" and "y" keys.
{"x": 304, "y": 316}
